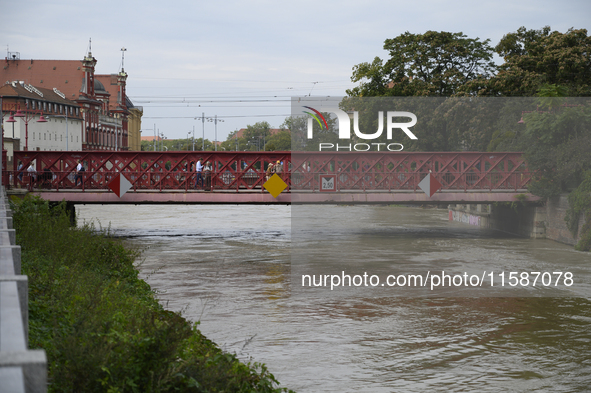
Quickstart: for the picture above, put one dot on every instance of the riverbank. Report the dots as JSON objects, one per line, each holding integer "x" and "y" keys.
{"x": 102, "y": 327}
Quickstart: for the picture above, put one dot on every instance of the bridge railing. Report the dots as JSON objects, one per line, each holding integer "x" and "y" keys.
{"x": 145, "y": 170}
{"x": 243, "y": 171}
{"x": 252, "y": 180}
{"x": 161, "y": 181}
{"x": 385, "y": 181}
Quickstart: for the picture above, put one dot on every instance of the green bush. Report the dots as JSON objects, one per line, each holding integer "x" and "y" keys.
{"x": 101, "y": 326}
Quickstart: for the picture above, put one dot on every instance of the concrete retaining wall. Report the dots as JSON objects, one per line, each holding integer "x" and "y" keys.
{"x": 535, "y": 221}
{"x": 21, "y": 369}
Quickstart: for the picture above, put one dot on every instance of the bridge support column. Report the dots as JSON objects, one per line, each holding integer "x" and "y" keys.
{"x": 71, "y": 209}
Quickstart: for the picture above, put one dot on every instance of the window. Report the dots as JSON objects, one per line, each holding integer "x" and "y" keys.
{"x": 44, "y": 106}
{"x": 44, "y": 136}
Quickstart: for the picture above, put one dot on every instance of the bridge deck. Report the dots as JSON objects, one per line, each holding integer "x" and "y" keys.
{"x": 257, "y": 197}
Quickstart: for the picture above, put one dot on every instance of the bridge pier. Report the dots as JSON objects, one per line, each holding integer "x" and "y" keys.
{"x": 71, "y": 210}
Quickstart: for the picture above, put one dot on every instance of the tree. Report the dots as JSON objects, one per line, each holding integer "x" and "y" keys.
{"x": 253, "y": 138}
{"x": 537, "y": 58}
{"x": 256, "y": 135}
{"x": 281, "y": 141}
{"x": 430, "y": 64}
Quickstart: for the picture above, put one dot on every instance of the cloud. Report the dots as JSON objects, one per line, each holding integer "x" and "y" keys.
{"x": 255, "y": 48}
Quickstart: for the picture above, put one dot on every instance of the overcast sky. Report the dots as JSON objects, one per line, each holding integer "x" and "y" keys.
{"x": 243, "y": 60}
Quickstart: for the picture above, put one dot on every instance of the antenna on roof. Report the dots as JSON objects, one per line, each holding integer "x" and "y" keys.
{"x": 89, "y": 51}
{"x": 123, "y": 50}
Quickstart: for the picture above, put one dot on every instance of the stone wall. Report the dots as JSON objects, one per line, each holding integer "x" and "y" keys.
{"x": 556, "y": 228}
{"x": 535, "y": 221}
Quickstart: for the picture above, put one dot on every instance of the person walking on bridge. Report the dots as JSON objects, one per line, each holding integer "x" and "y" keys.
{"x": 199, "y": 171}
{"x": 270, "y": 170}
{"x": 79, "y": 170}
{"x": 207, "y": 171}
{"x": 279, "y": 169}
{"x": 32, "y": 172}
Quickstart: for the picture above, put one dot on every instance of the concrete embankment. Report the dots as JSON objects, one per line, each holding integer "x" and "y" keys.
{"x": 539, "y": 221}
{"x": 21, "y": 369}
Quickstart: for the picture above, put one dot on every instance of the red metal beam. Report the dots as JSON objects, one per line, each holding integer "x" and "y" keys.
{"x": 245, "y": 171}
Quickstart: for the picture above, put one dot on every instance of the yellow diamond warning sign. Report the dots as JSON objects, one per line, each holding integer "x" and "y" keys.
{"x": 275, "y": 185}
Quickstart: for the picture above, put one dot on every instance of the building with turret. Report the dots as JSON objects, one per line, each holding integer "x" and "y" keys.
{"x": 109, "y": 120}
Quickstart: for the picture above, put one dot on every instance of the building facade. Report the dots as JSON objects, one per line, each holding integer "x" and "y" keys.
{"x": 39, "y": 119}
{"x": 102, "y": 101}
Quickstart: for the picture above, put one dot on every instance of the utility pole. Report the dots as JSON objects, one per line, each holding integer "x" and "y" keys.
{"x": 203, "y": 136}
{"x": 215, "y": 121}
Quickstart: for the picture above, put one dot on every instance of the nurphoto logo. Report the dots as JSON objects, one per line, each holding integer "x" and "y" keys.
{"x": 344, "y": 122}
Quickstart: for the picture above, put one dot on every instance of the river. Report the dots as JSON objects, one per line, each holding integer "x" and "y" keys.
{"x": 230, "y": 267}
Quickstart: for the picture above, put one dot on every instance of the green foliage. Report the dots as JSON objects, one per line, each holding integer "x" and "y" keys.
{"x": 537, "y": 58}
{"x": 258, "y": 137}
{"x": 101, "y": 326}
{"x": 178, "y": 145}
{"x": 280, "y": 141}
{"x": 557, "y": 145}
{"x": 430, "y": 64}
{"x": 579, "y": 201}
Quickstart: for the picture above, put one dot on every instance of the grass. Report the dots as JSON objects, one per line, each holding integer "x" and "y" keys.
{"x": 102, "y": 327}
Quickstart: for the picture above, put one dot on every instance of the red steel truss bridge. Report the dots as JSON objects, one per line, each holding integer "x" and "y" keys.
{"x": 238, "y": 177}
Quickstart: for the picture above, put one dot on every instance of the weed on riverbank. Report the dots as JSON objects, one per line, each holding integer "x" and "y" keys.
{"x": 101, "y": 326}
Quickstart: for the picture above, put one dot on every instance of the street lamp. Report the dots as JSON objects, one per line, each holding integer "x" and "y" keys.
{"x": 27, "y": 116}
{"x": 162, "y": 138}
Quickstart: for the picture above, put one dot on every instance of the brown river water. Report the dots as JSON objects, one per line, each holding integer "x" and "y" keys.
{"x": 237, "y": 270}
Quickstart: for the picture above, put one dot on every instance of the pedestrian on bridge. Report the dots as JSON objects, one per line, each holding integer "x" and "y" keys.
{"x": 79, "y": 171}
{"x": 20, "y": 167}
{"x": 207, "y": 172}
{"x": 279, "y": 169}
{"x": 199, "y": 171}
{"x": 270, "y": 170}
{"x": 32, "y": 172}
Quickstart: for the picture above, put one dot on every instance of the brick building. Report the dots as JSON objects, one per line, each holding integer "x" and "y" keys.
{"x": 110, "y": 121}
